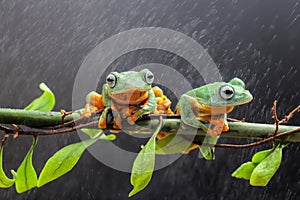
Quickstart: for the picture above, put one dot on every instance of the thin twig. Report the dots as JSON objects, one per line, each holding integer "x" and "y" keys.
{"x": 5, "y": 137}
{"x": 243, "y": 146}
{"x": 5, "y": 129}
{"x": 64, "y": 114}
{"x": 50, "y": 132}
{"x": 236, "y": 120}
{"x": 72, "y": 122}
{"x": 275, "y": 117}
{"x": 66, "y": 124}
{"x": 290, "y": 115}
{"x": 271, "y": 138}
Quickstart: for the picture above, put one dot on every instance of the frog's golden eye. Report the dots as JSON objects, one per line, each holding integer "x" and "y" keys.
{"x": 111, "y": 80}
{"x": 149, "y": 77}
{"x": 226, "y": 92}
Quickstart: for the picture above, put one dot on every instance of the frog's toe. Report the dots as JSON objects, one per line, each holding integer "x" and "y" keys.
{"x": 115, "y": 131}
{"x": 87, "y": 113}
{"x": 161, "y": 135}
{"x": 214, "y": 132}
{"x": 116, "y": 126}
{"x": 192, "y": 147}
{"x": 130, "y": 121}
{"x": 89, "y": 110}
{"x": 225, "y": 128}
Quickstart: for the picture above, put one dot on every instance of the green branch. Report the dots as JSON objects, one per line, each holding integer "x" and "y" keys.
{"x": 146, "y": 125}
{"x": 33, "y": 118}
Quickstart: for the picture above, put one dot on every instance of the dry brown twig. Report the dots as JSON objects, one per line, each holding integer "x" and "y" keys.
{"x": 290, "y": 115}
{"x": 47, "y": 131}
{"x": 236, "y": 120}
{"x": 5, "y": 137}
{"x": 64, "y": 114}
{"x": 275, "y": 117}
{"x": 273, "y": 136}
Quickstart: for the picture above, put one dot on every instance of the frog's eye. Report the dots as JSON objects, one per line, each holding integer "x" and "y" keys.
{"x": 149, "y": 77}
{"x": 111, "y": 80}
{"x": 226, "y": 92}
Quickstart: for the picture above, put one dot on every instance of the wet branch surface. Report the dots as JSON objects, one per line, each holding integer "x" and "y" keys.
{"x": 35, "y": 123}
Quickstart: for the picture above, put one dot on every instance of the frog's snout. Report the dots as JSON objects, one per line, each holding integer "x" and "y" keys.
{"x": 247, "y": 96}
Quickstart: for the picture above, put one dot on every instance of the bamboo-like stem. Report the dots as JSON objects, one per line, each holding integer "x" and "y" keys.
{"x": 146, "y": 125}
{"x": 33, "y": 118}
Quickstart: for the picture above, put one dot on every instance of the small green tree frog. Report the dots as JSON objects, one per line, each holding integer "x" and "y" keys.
{"x": 129, "y": 95}
{"x": 206, "y": 108}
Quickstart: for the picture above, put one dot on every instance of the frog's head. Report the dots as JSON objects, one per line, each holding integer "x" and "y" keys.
{"x": 221, "y": 94}
{"x": 129, "y": 87}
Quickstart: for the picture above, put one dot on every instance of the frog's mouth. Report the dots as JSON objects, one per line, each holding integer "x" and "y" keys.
{"x": 130, "y": 96}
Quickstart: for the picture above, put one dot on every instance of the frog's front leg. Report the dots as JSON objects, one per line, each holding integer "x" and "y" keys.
{"x": 187, "y": 106}
{"x": 94, "y": 104}
{"x": 103, "y": 118}
{"x": 163, "y": 104}
{"x": 107, "y": 104}
{"x": 144, "y": 109}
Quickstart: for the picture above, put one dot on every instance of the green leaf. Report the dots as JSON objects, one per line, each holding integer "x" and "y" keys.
{"x": 265, "y": 170}
{"x": 45, "y": 102}
{"x": 171, "y": 144}
{"x": 96, "y": 132}
{"x": 63, "y": 161}
{"x": 259, "y": 156}
{"x": 143, "y": 165}
{"x": 208, "y": 152}
{"x": 92, "y": 132}
{"x": 5, "y": 182}
{"x": 244, "y": 171}
{"x": 13, "y": 173}
{"x": 26, "y": 178}
{"x": 109, "y": 137}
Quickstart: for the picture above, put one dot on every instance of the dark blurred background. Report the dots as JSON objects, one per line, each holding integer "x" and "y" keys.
{"x": 258, "y": 41}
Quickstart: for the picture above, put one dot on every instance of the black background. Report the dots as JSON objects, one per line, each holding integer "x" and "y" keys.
{"x": 258, "y": 41}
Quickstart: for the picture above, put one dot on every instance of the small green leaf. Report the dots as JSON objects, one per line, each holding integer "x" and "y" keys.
{"x": 143, "y": 165}
{"x": 208, "y": 152}
{"x": 63, "y": 161}
{"x": 109, "y": 137}
{"x": 171, "y": 144}
{"x": 265, "y": 170}
{"x": 259, "y": 156}
{"x": 92, "y": 132}
{"x": 5, "y": 182}
{"x": 96, "y": 132}
{"x": 244, "y": 171}
{"x": 13, "y": 173}
{"x": 45, "y": 102}
{"x": 26, "y": 178}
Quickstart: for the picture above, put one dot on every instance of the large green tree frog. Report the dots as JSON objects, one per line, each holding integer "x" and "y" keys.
{"x": 206, "y": 108}
{"x": 129, "y": 95}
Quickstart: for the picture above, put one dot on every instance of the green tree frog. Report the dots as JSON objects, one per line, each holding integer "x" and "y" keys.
{"x": 206, "y": 108}
{"x": 129, "y": 95}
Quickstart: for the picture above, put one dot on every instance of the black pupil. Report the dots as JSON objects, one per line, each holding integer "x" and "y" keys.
{"x": 110, "y": 79}
{"x": 150, "y": 76}
{"x": 228, "y": 92}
